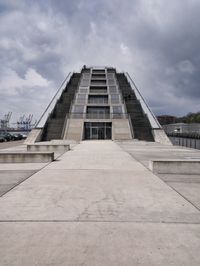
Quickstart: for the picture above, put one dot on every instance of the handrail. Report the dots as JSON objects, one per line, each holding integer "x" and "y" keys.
{"x": 76, "y": 115}
{"x": 70, "y": 108}
{"x": 49, "y": 105}
{"x": 145, "y": 104}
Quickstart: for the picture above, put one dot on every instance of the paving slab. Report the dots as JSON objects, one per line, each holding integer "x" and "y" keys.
{"x": 149, "y": 151}
{"x": 96, "y": 195}
{"x": 11, "y": 178}
{"x": 97, "y": 244}
{"x": 9, "y": 144}
{"x": 13, "y": 174}
{"x": 191, "y": 191}
{"x": 97, "y": 205}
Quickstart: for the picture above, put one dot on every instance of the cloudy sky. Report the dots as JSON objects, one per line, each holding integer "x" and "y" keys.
{"x": 156, "y": 41}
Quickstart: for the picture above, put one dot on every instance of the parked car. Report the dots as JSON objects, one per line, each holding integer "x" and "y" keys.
{"x": 7, "y": 136}
{"x": 18, "y": 136}
{"x": 24, "y": 135}
{"x": 2, "y": 139}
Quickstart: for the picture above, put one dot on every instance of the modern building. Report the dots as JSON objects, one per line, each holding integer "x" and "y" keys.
{"x": 99, "y": 103}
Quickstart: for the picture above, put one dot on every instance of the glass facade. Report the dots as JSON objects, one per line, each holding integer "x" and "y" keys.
{"x": 98, "y": 112}
{"x": 98, "y": 99}
{"x": 100, "y": 130}
{"x": 98, "y": 89}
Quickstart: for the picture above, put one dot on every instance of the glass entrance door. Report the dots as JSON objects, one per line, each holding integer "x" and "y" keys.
{"x": 95, "y": 130}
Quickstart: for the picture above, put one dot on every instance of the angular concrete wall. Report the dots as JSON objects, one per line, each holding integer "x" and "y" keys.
{"x": 74, "y": 129}
{"x": 161, "y": 137}
{"x": 121, "y": 129}
{"x": 33, "y": 136}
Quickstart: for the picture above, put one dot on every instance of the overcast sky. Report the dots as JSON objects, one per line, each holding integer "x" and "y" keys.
{"x": 156, "y": 41}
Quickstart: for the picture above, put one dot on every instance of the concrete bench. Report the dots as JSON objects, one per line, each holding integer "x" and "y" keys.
{"x": 26, "y": 157}
{"x": 57, "y": 148}
{"x": 174, "y": 166}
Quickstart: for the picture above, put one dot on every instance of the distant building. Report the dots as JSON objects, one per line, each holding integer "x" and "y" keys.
{"x": 182, "y": 128}
{"x": 166, "y": 119}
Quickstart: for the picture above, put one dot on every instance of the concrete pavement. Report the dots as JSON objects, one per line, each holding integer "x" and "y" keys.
{"x": 98, "y": 205}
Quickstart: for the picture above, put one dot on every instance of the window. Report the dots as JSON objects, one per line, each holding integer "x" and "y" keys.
{"x": 94, "y": 130}
{"x": 96, "y": 89}
{"x": 81, "y": 98}
{"x": 98, "y": 71}
{"x": 113, "y": 89}
{"x": 98, "y": 112}
{"x": 98, "y": 76}
{"x": 111, "y": 82}
{"x": 86, "y": 76}
{"x": 117, "y": 112}
{"x": 78, "y": 111}
{"x": 117, "y": 109}
{"x": 110, "y": 76}
{"x": 78, "y": 108}
{"x": 114, "y": 98}
{"x": 85, "y": 82}
{"x": 83, "y": 90}
{"x": 98, "y": 82}
{"x": 98, "y": 99}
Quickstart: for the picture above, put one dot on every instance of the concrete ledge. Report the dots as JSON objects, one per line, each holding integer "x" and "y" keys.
{"x": 26, "y": 157}
{"x": 48, "y": 148}
{"x": 175, "y": 166}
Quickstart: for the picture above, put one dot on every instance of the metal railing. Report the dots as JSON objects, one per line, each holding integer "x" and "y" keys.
{"x": 152, "y": 118}
{"x": 98, "y": 91}
{"x": 75, "y": 115}
{"x": 52, "y": 103}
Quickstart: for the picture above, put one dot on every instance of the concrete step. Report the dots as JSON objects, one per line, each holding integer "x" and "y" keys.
{"x": 58, "y": 148}
{"x": 173, "y": 166}
{"x": 26, "y": 157}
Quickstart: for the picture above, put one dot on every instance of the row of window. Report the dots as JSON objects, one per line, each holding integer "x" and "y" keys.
{"x": 99, "y": 82}
{"x": 100, "y": 75}
{"x": 96, "y": 89}
{"x": 98, "y": 99}
{"x": 97, "y": 109}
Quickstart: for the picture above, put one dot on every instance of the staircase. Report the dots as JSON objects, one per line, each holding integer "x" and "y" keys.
{"x": 139, "y": 120}
{"x": 54, "y": 126}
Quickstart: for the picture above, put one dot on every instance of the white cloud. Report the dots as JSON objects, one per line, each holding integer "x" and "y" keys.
{"x": 11, "y": 83}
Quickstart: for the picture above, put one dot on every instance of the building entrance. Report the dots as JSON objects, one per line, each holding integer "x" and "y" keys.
{"x": 95, "y": 130}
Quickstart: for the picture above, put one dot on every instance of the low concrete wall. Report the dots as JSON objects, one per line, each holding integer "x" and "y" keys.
{"x": 175, "y": 166}
{"x": 26, "y": 157}
{"x": 48, "y": 148}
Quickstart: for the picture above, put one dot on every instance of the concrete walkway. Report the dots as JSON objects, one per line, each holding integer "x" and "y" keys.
{"x": 97, "y": 205}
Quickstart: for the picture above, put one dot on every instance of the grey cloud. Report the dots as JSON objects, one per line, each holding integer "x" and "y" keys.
{"x": 155, "y": 41}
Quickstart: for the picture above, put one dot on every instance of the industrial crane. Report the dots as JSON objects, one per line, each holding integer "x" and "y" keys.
{"x": 4, "y": 123}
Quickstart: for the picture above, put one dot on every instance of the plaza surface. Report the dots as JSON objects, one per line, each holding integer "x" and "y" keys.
{"x": 99, "y": 204}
